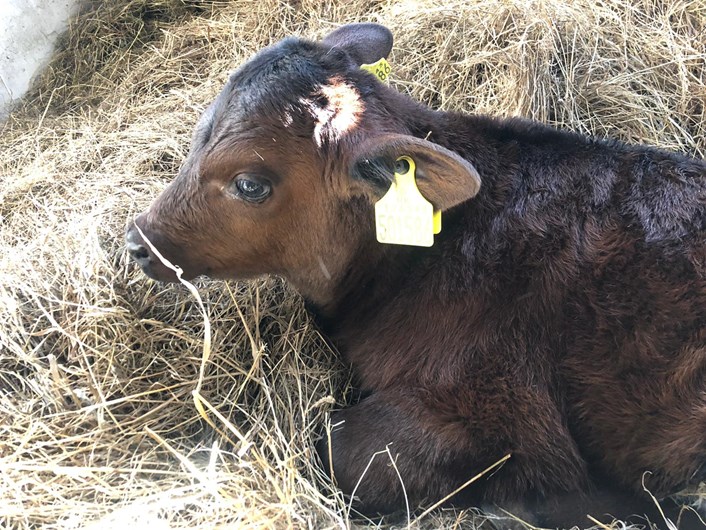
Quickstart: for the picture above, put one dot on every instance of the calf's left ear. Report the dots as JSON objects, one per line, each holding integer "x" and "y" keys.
{"x": 365, "y": 42}
{"x": 444, "y": 178}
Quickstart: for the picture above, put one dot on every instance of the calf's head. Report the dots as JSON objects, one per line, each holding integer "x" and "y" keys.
{"x": 286, "y": 164}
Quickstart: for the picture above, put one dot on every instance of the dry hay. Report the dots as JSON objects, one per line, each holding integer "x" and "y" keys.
{"x": 97, "y": 363}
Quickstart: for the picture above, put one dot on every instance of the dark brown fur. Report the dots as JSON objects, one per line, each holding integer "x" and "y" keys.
{"x": 560, "y": 316}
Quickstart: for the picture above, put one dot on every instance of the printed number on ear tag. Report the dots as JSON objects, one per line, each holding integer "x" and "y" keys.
{"x": 380, "y": 69}
{"x": 403, "y": 216}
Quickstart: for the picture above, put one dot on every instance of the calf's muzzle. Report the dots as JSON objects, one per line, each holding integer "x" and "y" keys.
{"x": 145, "y": 257}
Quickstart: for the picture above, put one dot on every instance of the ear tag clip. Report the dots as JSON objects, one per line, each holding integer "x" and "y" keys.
{"x": 380, "y": 69}
{"x": 403, "y": 216}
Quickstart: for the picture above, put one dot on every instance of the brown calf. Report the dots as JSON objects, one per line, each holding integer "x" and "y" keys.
{"x": 560, "y": 315}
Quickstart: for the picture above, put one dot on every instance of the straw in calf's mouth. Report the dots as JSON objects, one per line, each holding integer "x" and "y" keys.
{"x": 199, "y": 400}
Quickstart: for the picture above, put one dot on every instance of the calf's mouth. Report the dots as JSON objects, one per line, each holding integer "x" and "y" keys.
{"x": 155, "y": 254}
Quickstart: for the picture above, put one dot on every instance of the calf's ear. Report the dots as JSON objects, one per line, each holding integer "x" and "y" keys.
{"x": 444, "y": 178}
{"x": 365, "y": 42}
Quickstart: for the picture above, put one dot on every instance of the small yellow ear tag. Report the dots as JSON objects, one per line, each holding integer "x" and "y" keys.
{"x": 403, "y": 216}
{"x": 380, "y": 69}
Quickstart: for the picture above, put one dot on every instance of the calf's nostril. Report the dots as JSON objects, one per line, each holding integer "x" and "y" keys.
{"x": 137, "y": 252}
{"x": 141, "y": 253}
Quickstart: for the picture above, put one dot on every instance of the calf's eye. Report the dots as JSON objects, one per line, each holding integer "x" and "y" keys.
{"x": 251, "y": 190}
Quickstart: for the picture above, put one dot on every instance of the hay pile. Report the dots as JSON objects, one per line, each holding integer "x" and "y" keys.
{"x": 97, "y": 363}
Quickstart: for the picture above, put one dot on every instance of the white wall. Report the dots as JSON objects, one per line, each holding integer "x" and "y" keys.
{"x": 28, "y": 32}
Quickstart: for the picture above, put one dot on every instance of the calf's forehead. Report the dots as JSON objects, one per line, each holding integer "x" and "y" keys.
{"x": 295, "y": 85}
{"x": 277, "y": 78}
{"x": 289, "y": 110}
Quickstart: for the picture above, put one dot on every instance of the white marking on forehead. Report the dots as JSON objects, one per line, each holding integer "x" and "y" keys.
{"x": 341, "y": 113}
{"x": 287, "y": 119}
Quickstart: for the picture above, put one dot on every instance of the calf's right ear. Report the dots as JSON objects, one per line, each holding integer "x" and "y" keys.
{"x": 365, "y": 43}
{"x": 443, "y": 177}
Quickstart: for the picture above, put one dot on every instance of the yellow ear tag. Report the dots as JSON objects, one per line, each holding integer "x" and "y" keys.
{"x": 380, "y": 69}
{"x": 403, "y": 216}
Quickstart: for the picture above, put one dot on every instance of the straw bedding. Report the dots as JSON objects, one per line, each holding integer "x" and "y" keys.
{"x": 98, "y": 423}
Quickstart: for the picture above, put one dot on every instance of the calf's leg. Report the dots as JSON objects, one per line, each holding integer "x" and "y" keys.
{"x": 403, "y": 442}
{"x": 425, "y": 448}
